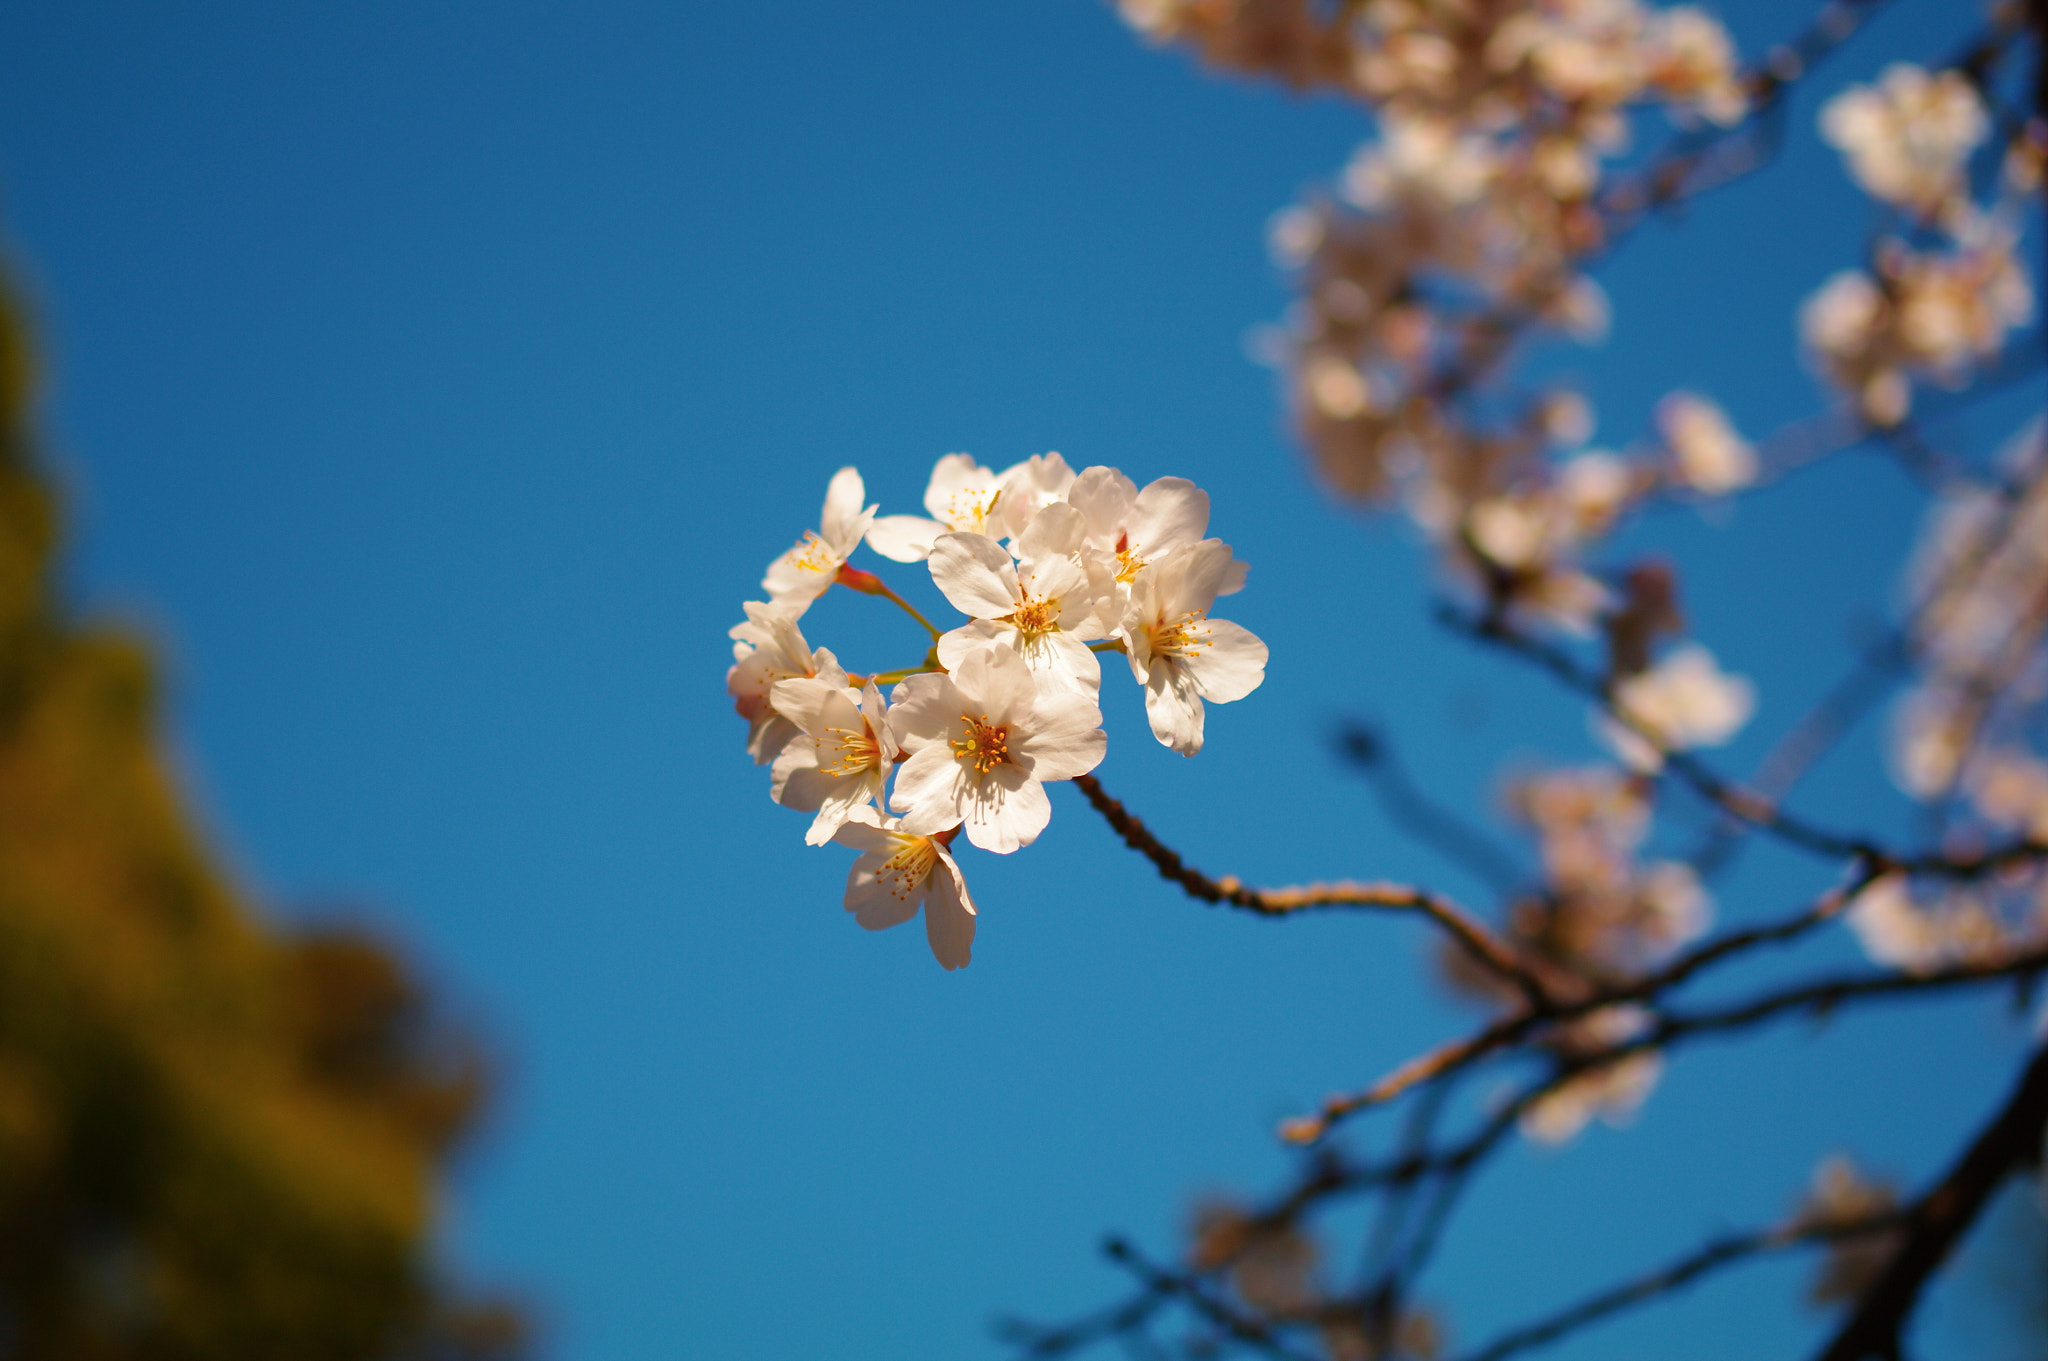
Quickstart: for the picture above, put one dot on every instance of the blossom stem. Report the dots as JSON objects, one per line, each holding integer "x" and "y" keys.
{"x": 867, "y": 583}
{"x": 911, "y": 610}
{"x": 891, "y": 677}
{"x": 1108, "y": 645}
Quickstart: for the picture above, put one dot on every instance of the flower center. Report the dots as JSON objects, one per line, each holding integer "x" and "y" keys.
{"x": 909, "y": 867}
{"x": 967, "y": 511}
{"x": 1182, "y": 637}
{"x": 855, "y": 752}
{"x": 1128, "y": 562}
{"x": 813, "y": 554}
{"x": 1037, "y": 614}
{"x": 986, "y": 745}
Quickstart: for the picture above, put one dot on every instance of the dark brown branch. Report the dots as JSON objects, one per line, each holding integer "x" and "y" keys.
{"x": 1829, "y": 906}
{"x": 1938, "y": 1220}
{"x": 1243, "y": 1328}
{"x": 1827, "y": 994}
{"x": 1484, "y": 947}
{"x": 1742, "y": 804}
{"x": 1664, "y": 1280}
{"x": 1510, "y": 1031}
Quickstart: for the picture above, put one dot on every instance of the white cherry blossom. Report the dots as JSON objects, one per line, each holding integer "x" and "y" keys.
{"x": 807, "y": 571}
{"x": 1684, "y": 701}
{"x": 982, "y": 740}
{"x": 843, "y": 759}
{"x": 1908, "y": 137}
{"x": 1178, "y": 653}
{"x": 1897, "y": 929}
{"x": 1042, "y": 608}
{"x": 899, "y": 872}
{"x": 961, "y": 497}
{"x": 1710, "y": 456}
{"x": 769, "y": 648}
{"x": 1613, "y": 1091}
{"x": 1130, "y": 527}
{"x": 1029, "y": 487}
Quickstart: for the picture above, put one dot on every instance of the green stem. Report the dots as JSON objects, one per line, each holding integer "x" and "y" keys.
{"x": 1108, "y": 645}
{"x": 891, "y": 677}
{"x": 911, "y": 610}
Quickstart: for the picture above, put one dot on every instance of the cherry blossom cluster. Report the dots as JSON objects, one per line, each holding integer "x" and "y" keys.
{"x": 1051, "y": 569}
{"x": 1599, "y": 916}
{"x": 1275, "y": 1264}
{"x": 1965, "y": 735}
{"x": 1465, "y": 221}
{"x": 1940, "y": 297}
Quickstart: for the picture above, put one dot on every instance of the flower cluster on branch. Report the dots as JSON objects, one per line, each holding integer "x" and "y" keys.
{"x": 1050, "y": 567}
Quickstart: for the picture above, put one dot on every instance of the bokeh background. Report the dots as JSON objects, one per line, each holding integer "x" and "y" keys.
{"x": 432, "y": 383}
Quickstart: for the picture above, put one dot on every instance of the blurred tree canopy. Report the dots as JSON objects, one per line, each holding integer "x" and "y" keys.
{"x": 218, "y": 1139}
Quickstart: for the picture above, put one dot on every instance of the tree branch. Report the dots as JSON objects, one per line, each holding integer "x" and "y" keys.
{"x": 1484, "y": 947}
{"x": 1666, "y": 1279}
{"x": 1939, "y": 1218}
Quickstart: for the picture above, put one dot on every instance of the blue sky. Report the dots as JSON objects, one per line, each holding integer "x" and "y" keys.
{"x": 433, "y": 382}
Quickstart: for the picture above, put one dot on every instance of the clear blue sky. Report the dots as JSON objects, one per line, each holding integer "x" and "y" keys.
{"x": 433, "y": 382}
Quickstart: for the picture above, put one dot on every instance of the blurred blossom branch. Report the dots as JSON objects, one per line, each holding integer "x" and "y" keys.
{"x": 1501, "y": 167}
{"x": 1721, "y": 1252}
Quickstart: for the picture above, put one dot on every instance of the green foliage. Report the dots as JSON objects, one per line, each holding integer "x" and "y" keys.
{"x": 216, "y": 1141}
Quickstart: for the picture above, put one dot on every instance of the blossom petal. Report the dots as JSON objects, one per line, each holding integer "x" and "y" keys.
{"x": 843, "y": 497}
{"x": 863, "y": 831}
{"x": 976, "y": 574}
{"x": 930, "y": 788}
{"x": 904, "y": 538}
{"x": 976, "y": 635}
{"x": 815, "y": 705}
{"x": 1065, "y": 738}
{"x": 1105, "y": 497}
{"x": 1061, "y": 661}
{"x": 923, "y": 710}
{"x": 1192, "y": 577}
{"x": 1174, "y": 706}
{"x": 846, "y": 793}
{"x": 876, "y": 715}
{"x": 871, "y": 899}
{"x": 1168, "y": 513}
{"x": 949, "y": 915}
{"x": 1057, "y": 531}
{"x": 769, "y": 735}
{"x": 1232, "y": 664}
{"x": 999, "y": 684}
{"x": 798, "y": 783}
{"x": 1007, "y": 811}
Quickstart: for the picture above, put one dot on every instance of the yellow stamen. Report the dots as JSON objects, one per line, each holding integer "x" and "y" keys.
{"x": 905, "y": 872}
{"x": 1128, "y": 561}
{"x": 813, "y": 554}
{"x": 987, "y": 744}
{"x": 969, "y": 508}
{"x": 857, "y": 752}
{"x": 1036, "y": 616}
{"x": 1182, "y": 637}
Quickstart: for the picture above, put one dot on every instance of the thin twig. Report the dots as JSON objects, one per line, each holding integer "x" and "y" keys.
{"x": 1486, "y": 948}
{"x": 1662, "y": 1281}
{"x": 1250, "y": 1331}
{"x": 1745, "y": 805}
